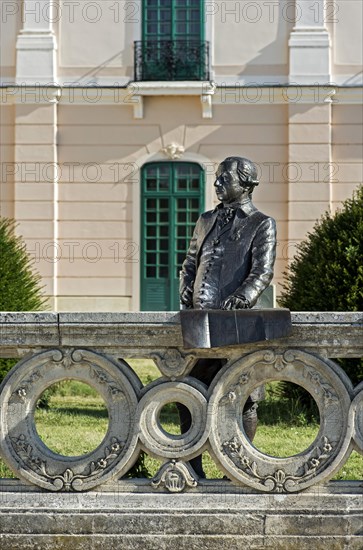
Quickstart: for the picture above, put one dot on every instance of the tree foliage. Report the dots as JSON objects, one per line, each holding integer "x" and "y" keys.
{"x": 326, "y": 274}
{"x": 20, "y": 285}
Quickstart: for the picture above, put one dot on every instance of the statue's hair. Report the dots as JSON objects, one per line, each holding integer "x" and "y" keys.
{"x": 246, "y": 170}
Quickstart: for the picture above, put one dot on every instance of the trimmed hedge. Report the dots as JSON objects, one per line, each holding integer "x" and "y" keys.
{"x": 326, "y": 274}
{"x": 20, "y": 288}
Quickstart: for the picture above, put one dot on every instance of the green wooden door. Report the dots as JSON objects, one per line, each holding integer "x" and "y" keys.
{"x": 172, "y": 35}
{"x": 172, "y": 199}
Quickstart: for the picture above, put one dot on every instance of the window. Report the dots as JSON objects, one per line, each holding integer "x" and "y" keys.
{"x": 171, "y": 201}
{"x": 172, "y": 46}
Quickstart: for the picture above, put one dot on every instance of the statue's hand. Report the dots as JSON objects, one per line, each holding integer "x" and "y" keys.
{"x": 235, "y": 302}
{"x": 186, "y": 297}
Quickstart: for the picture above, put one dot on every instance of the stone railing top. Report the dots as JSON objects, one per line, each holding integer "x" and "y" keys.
{"x": 146, "y": 317}
{"x": 162, "y": 317}
{"x": 332, "y": 334}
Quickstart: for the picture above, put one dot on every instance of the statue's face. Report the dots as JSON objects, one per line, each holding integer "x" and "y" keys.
{"x": 227, "y": 184}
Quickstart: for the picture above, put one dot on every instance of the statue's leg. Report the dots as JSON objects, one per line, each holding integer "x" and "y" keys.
{"x": 204, "y": 370}
{"x": 185, "y": 423}
{"x": 250, "y": 418}
{"x": 249, "y": 425}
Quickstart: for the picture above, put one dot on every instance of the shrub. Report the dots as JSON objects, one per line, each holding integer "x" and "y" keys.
{"x": 20, "y": 288}
{"x": 20, "y": 285}
{"x": 326, "y": 274}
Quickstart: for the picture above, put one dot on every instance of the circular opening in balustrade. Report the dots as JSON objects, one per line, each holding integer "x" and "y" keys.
{"x": 71, "y": 418}
{"x": 288, "y": 420}
{"x": 170, "y": 420}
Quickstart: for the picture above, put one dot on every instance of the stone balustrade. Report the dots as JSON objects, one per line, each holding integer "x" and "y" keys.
{"x": 91, "y": 347}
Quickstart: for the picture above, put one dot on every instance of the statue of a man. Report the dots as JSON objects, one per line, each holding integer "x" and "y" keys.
{"x": 228, "y": 265}
{"x": 232, "y": 252}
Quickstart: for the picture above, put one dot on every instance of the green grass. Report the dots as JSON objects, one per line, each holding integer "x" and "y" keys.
{"x": 145, "y": 369}
{"x": 77, "y": 421}
{"x": 72, "y": 426}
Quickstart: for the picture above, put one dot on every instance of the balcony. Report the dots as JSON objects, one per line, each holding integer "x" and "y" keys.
{"x": 170, "y": 60}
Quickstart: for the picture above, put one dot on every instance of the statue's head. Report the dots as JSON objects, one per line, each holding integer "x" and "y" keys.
{"x": 246, "y": 170}
{"x": 236, "y": 177}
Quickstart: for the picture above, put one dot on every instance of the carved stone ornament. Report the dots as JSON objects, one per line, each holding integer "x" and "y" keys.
{"x": 68, "y": 480}
{"x": 279, "y": 481}
{"x": 173, "y": 151}
{"x": 172, "y": 363}
{"x": 20, "y": 444}
{"x": 356, "y": 414}
{"x": 134, "y": 420}
{"x": 174, "y": 476}
{"x": 241, "y": 461}
{"x": 155, "y": 440}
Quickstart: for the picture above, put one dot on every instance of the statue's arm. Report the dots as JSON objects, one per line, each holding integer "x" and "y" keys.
{"x": 262, "y": 268}
{"x": 188, "y": 271}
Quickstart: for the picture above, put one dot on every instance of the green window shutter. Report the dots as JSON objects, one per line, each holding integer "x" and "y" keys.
{"x": 172, "y": 198}
{"x": 173, "y": 19}
{"x": 172, "y": 46}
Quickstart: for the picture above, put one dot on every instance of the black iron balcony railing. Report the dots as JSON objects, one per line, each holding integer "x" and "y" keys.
{"x": 171, "y": 60}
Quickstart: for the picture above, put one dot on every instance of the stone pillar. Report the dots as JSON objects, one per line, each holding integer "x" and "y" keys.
{"x": 310, "y": 170}
{"x": 36, "y": 45}
{"x": 36, "y": 181}
{"x": 309, "y": 44}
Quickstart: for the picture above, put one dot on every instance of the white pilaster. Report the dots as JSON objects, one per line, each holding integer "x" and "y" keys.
{"x": 310, "y": 44}
{"x": 36, "y": 44}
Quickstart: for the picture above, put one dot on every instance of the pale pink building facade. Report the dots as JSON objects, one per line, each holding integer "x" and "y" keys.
{"x": 281, "y": 84}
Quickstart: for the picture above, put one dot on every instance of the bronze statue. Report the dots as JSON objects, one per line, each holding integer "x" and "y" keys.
{"x": 232, "y": 252}
{"x": 228, "y": 265}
